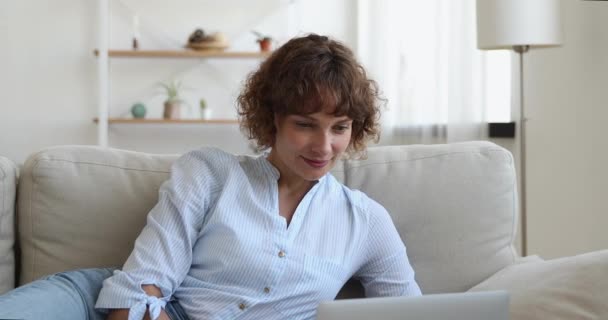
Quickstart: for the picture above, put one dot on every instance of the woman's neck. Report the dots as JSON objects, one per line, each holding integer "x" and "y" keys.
{"x": 289, "y": 181}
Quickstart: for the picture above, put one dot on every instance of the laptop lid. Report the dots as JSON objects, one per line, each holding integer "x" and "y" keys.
{"x": 489, "y": 305}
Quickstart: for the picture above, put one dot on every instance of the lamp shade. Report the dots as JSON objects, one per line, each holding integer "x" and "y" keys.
{"x": 502, "y": 24}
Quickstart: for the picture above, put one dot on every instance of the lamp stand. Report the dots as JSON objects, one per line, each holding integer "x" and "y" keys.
{"x": 522, "y": 151}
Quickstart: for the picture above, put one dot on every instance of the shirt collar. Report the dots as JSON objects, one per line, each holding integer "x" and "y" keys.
{"x": 267, "y": 166}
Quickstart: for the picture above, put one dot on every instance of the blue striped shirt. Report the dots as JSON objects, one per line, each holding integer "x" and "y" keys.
{"x": 215, "y": 242}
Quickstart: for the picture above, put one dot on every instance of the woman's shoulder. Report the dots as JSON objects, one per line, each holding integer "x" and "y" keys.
{"x": 360, "y": 201}
{"x": 207, "y": 157}
{"x": 203, "y": 165}
{"x": 210, "y": 155}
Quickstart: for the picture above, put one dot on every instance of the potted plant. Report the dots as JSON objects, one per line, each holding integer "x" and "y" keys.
{"x": 205, "y": 111}
{"x": 173, "y": 101}
{"x": 265, "y": 41}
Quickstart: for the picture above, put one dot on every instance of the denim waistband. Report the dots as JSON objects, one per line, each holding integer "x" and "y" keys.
{"x": 175, "y": 311}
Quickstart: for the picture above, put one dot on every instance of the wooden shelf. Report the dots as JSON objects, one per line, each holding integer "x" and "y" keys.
{"x": 168, "y": 121}
{"x": 183, "y": 54}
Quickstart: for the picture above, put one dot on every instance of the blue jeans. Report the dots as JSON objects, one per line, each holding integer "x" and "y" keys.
{"x": 67, "y": 296}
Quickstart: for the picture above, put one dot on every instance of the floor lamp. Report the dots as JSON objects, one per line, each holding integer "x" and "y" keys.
{"x": 519, "y": 25}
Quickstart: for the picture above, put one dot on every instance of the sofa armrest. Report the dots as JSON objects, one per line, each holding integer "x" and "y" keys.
{"x": 566, "y": 288}
{"x": 8, "y": 192}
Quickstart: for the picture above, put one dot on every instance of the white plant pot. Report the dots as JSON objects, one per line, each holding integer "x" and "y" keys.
{"x": 206, "y": 114}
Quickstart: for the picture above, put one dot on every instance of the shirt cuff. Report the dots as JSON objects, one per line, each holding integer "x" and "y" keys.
{"x": 122, "y": 291}
{"x": 152, "y": 303}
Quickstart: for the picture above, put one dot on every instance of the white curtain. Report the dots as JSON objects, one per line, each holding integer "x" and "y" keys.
{"x": 423, "y": 56}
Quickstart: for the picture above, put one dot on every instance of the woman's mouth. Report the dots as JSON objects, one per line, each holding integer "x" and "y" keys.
{"x": 316, "y": 163}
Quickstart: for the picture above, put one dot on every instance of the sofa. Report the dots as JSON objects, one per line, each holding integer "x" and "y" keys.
{"x": 454, "y": 205}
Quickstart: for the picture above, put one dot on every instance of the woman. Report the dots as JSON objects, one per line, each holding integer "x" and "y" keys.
{"x": 267, "y": 237}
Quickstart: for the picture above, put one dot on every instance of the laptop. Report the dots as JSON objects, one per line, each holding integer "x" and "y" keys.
{"x": 488, "y": 305}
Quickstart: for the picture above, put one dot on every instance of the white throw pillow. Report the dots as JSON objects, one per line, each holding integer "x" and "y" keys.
{"x": 566, "y": 288}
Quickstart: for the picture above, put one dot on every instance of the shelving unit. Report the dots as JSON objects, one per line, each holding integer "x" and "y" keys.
{"x": 183, "y": 54}
{"x": 168, "y": 121}
{"x": 104, "y": 54}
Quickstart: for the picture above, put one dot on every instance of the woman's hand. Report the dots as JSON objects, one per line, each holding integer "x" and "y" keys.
{"x": 123, "y": 314}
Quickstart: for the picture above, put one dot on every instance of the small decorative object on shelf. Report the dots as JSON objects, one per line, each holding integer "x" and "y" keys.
{"x": 199, "y": 40}
{"x": 138, "y": 110}
{"x": 135, "y": 32}
{"x": 265, "y": 41}
{"x": 173, "y": 102}
{"x": 205, "y": 111}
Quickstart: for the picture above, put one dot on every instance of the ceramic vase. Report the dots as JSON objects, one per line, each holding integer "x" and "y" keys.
{"x": 171, "y": 110}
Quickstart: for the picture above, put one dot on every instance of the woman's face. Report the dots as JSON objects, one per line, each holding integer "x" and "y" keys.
{"x": 308, "y": 146}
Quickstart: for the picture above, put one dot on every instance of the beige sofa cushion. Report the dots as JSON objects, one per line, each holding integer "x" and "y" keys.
{"x": 566, "y": 288}
{"x": 8, "y": 189}
{"x": 454, "y": 206}
{"x": 84, "y": 206}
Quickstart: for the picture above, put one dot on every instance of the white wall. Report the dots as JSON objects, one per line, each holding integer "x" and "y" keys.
{"x": 47, "y": 75}
{"x": 48, "y": 94}
{"x": 567, "y": 104}
{"x": 48, "y": 80}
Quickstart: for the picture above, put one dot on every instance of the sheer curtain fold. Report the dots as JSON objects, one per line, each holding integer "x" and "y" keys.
{"x": 423, "y": 56}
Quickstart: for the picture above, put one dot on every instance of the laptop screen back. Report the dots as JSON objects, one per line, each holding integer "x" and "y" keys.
{"x": 492, "y": 305}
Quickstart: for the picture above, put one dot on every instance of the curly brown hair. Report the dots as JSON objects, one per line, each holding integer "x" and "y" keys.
{"x": 304, "y": 76}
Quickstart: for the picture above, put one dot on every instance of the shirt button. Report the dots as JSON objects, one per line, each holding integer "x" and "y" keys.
{"x": 242, "y": 306}
{"x": 281, "y": 254}
{"x": 266, "y": 290}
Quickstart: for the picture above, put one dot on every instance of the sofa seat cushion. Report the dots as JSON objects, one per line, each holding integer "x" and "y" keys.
{"x": 566, "y": 288}
{"x": 8, "y": 191}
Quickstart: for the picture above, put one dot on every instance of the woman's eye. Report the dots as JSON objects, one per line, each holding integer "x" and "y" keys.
{"x": 341, "y": 128}
{"x": 304, "y": 124}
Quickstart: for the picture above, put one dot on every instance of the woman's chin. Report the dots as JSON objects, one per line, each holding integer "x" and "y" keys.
{"x": 314, "y": 175}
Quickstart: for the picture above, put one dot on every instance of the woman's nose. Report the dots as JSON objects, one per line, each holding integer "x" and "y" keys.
{"x": 322, "y": 143}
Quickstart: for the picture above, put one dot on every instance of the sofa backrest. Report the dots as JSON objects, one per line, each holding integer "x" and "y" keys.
{"x": 8, "y": 191}
{"x": 454, "y": 205}
{"x": 83, "y": 206}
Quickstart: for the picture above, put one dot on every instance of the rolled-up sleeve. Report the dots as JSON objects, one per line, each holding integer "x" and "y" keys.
{"x": 162, "y": 254}
{"x": 387, "y": 270}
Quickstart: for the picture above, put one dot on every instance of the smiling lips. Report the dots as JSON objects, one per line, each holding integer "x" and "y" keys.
{"x": 316, "y": 163}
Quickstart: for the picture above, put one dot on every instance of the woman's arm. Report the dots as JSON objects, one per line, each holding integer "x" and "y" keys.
{"x": 162, "y": 254}
{"x": 387, "y": 270}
